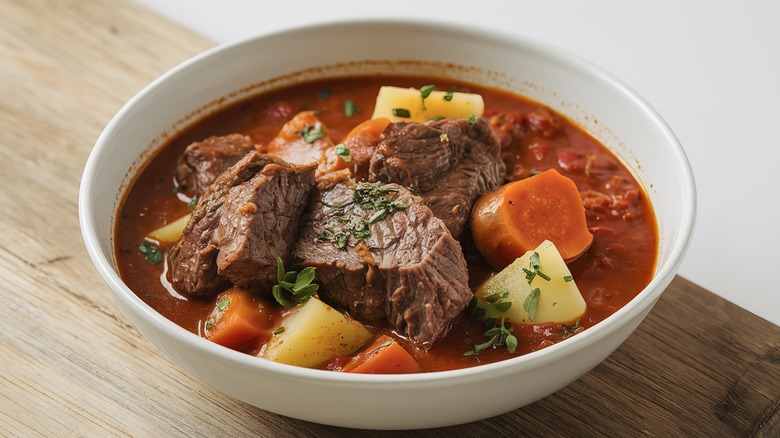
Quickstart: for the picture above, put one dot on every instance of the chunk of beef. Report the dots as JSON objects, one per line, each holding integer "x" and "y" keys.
{"x": 203, "y": 161}
{"x": 450, "y": 163}
{"x": 384, "y": 255}
{"x": 247, "y": 218}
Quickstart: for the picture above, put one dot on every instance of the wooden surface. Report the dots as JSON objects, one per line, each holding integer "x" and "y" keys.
{"x": 72, "y": 365}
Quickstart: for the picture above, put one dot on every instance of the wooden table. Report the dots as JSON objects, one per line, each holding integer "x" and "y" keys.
{"x": 72, "y": 365}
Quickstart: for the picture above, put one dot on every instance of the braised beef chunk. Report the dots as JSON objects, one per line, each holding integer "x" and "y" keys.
{"x": 381, "y": 253}
{"x": 247, "y": 218}
{"x": 450, "y": 163}
{"x": 203, "y": 161}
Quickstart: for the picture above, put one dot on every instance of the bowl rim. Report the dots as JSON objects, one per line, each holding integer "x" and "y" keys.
{"x": 645, "y": 299}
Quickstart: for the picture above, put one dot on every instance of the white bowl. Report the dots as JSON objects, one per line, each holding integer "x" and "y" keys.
{"x": 603, "y": 105}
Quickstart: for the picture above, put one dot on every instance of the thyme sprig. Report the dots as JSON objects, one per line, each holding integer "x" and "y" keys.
{"x": 492, "y": 309}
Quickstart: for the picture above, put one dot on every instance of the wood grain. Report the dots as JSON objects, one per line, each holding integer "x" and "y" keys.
{"x": 73, "y": 366}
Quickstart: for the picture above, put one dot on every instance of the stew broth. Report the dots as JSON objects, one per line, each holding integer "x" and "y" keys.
{"x": 618, "y": 265}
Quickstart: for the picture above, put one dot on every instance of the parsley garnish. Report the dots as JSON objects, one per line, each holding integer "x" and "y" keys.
{"x": 209, "y": 325}
{"x": 343, "y": 152}
{"x": 174, "y": 190}
{"x": 278, "y": 330}
{"x": 568, "y": 278}
{"x": 293, "y": 288}
{"x": 350, "y": 108}
{"x": 402, "y": 112}
{"x": 312, "y": 133}
{"x": 152, "y": 253}
{"x": 472, "y": 119}
{"x": 223, "y": 304}
{"x": 448, "y": 96}
{"x": 150, "y": 296}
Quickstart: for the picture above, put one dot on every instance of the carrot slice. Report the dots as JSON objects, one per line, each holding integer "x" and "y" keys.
{"x": 239, "y": 320}
{"x": 518, "y": 216}
{"x": 383, "y": 356}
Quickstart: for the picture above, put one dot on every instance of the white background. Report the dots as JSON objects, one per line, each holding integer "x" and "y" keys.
{"x": 711, "y": 68}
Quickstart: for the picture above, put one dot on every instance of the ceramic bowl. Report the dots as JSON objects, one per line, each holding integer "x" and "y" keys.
{"x": 597, "y": 101}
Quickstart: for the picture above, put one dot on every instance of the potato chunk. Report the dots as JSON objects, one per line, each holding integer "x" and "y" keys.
{"x": 407, "y": 105}
{"x": 171, "y": 232}
{"x": 313, "y": 333}
{"x": 557, "y": 299}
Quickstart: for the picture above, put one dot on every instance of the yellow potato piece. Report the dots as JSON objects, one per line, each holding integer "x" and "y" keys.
{"x": 171, "y": 232}
{"x": 559, "y": 300}
{"x": 313, "y": 333}
{"x": 392, "y": 99}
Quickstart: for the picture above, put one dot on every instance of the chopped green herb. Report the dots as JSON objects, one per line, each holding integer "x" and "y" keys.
{"x": 350, "y": 109}
{"x": 174, "y": 190}
{"x": 426, "y": 91}
{"x": 448, "y": 96}
{"x": 543, "y": 275}
{"x": 374, "y": 199}
{"x": 536, "y": 264}
{"x": 343, "y": 152}
{"x": 568, "y": 278}
{"x": 193, "y": 203}
{"x": 437, "y": 118}
{"x": 293, "y": 288}
{"x": 312, "y": 133}
{"x": 402, "y": 112}
{"x": 325, "y": 93}
{"x": 152, "y": 253}
{"x": 150, "y": 296}
{"x": 531, "y": 303}
{"x": 362, "y": 234}
{"x": 472, "y": 119}
{"x": 223, "y": 304}
{"x": 278, "y": 330}
{"x": 209, "y": 325}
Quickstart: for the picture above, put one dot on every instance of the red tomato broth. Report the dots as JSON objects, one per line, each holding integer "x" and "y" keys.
{"x": 618, "y": 265}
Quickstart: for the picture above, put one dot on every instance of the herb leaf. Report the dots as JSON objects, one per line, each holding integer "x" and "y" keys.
{"x": 350, "y": 108}
{"x": 402, "y": 112}
{"x": 343, "y": 152}
{"x": 278, "y": 330}
{"x": 193, "y": 203}
{"x": 426, "y": 90}
{"x": 293, "y": 288}
{"x": 448, "y": 96}
{"x": 531, "y": 303}
{"x": 492, "y": 309}
{"x": 311, "y": 134}
{"x": 153, "y": 254}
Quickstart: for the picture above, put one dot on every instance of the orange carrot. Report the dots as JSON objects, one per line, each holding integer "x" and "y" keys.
{"x": 383, "y": 356}
{"x": 518, "y": 216}
{"x": 239, "y": 320}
